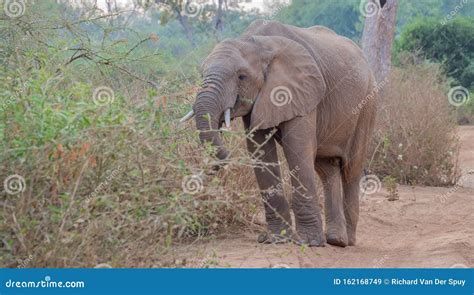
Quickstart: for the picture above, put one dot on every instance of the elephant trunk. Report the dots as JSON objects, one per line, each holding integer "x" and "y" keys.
{"x": 209, "y": 110}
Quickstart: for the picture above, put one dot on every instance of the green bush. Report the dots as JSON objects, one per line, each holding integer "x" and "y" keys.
{"x": 341, "y": 16}
{"x": 449, "y": 43}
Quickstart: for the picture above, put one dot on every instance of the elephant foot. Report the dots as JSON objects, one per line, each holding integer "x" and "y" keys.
{"x": 351, "y": 237}
{"x": 336, "y": 234}
{"x": 277, "y": 233}
{"x": 278, "y": 229}
{"x": 337, "y": 239}
{"x": 352, "y": 240}
{"x": 311, "y": 236}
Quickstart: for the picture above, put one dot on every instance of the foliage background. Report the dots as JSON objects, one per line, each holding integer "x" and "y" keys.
{"x": 104, "y": 181}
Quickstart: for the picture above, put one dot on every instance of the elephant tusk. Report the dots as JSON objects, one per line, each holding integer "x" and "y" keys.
{"x": 187, "y": 116}
{"x": 227, "y": 118}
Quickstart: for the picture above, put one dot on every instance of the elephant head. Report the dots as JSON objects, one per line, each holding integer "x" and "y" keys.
{"x": 271, "y": 78}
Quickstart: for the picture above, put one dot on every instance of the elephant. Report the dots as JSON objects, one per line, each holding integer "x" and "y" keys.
{"x": 312, "y": 92}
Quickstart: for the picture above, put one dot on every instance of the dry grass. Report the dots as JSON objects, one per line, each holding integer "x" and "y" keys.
{"x": 415, "y": 139}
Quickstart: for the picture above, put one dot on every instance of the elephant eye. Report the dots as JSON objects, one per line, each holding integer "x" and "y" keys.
{"x": 242, "y": 77}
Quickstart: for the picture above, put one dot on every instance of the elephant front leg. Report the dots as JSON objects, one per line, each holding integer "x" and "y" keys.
{"x": 298, "y": 137}
{"x": 262, "y": 148}
{"x": 277, "y": 209}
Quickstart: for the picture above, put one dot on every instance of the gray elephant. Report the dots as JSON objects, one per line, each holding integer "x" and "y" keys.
{"x": 311, "y": 91}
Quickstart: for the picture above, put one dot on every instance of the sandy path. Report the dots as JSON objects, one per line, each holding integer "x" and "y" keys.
{"x": 427, "y": 227}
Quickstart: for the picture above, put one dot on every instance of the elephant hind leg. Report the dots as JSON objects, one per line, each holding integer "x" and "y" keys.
{"x": 351, "y": 175}
{"x": 351, "y": 207}
{"x": 353, "y": 166}
{"x": 329, "y": 171}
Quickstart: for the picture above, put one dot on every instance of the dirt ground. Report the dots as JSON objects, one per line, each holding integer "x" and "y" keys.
{"x": 427, "y": 227}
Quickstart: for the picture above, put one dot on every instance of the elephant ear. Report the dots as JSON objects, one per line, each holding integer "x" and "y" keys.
{"x": 293, "y": 83}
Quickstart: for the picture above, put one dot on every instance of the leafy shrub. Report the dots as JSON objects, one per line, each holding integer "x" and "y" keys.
{"x": 115, "y": 180}
{"x": 118, "y": 183}
{"x": 447, "y": 43}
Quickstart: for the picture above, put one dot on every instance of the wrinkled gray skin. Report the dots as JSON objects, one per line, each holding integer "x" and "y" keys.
{"x": 324, "y": 125}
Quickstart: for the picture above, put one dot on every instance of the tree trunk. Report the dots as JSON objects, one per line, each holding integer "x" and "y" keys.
{"x": 218, "y": 24}
{"x": 377, "y": 38}
{"x": 183, "y": 20}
